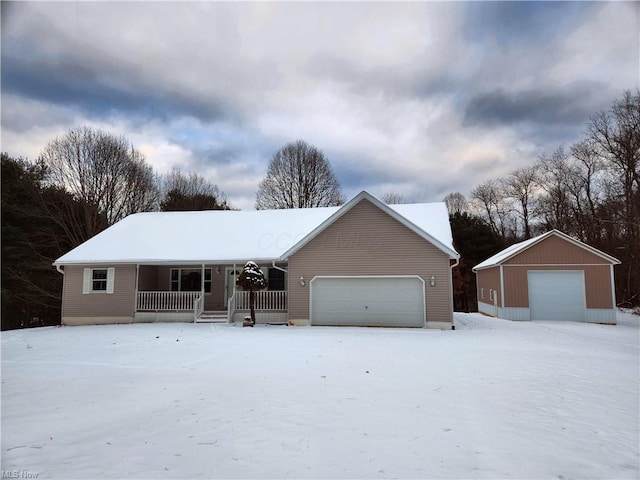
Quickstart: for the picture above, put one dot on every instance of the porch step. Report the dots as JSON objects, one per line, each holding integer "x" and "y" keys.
{"x": 213, "y": 317}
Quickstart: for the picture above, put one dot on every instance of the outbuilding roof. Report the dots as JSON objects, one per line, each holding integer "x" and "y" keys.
{"x": 517, "y": 248}
{"x": 237, "y": 236}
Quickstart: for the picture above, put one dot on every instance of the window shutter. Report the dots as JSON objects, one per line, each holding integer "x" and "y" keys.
{"x": 86, "y": 281}
{"x": 111, "y": 277}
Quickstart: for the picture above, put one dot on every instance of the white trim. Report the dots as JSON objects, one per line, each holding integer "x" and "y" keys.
{"x": 385, "y": 208}
{"x": 502, "y": 302}
{"x": 87, "y": 280}
{"x": 111, "y": 279}
{"x": 424, "y": 296}
{"x": 202, "y": 280}
{"x": 577, "y": 265}
{"x": 613, "y": 289}
{"x": 227, "y": 270}
{"x": 135, "y": 298}
{"x": 164, "y": 263}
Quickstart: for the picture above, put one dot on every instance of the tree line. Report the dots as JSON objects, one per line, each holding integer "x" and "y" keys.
{"x": 86, "y": 180}
{"x": 589, "y": 190}
{"x": 83, "y": 182}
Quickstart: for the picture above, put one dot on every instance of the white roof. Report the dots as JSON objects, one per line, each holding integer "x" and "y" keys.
{"x": 234, "y": 236}
{"x": 517, "y": 248}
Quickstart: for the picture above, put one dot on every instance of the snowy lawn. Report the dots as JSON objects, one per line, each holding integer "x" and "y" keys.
{"x": 493, "y": 399}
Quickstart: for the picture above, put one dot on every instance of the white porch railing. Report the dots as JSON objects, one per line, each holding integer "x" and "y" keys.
{"x": 198, "y": 307}
{"x": 264, "y": 300}
{"x": 167, "y": 301}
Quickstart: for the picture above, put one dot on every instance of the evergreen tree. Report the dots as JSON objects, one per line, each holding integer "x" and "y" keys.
{"x": 252, "y": 279}
{"x": 31, "y": 241}
{"x": 475, "y": 241}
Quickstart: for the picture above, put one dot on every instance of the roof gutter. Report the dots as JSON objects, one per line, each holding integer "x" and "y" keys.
{"x": 59, "y": 268}
{"x": 273, "y": 264}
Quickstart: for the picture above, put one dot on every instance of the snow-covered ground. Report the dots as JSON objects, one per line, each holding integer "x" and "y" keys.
{"x": 492, "y": 399}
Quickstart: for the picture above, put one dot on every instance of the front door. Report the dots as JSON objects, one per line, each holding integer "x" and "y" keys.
{"x": 231, "y": 276}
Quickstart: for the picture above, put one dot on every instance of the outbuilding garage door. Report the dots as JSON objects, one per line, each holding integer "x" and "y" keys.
{"x": 557, "y": 295}
{"x": 368, "y": 301}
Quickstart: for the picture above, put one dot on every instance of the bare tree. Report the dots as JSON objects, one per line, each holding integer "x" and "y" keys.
{"x": 495, "y": 209}
{"x": 456, "y": 203}
{"x": 299, "y": 176}
{"x": 393, "y": 198}
{"x": 615, "y": 136}
{"x": 554, "y": 204}
{"x": 104, "y": 173}
{"x": 190, "y": 192}
{"x": 520, "y": 186}
{"x": 586, "y": 182}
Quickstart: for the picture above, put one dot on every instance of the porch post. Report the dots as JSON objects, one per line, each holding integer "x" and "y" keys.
{"x": 202, "y": 283}
{"x": 234, "y": 280}
{"x": 135, "y": 300}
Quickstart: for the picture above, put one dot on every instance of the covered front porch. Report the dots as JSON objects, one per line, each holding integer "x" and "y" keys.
{"x": 206, "y": 293}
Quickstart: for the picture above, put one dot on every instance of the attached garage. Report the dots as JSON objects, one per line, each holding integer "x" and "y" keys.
{"x": 385, "y": 301}
{"x": 550, "y": 277}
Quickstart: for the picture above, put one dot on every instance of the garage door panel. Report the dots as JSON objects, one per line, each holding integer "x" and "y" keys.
{"x": 557, "y": 295}
{"x": 367, "y": 301}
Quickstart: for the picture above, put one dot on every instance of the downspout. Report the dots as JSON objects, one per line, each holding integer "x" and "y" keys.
{"x": 501, "y": 303}
{"x": 613, "y": 293}
{"x": 61, "y": 270}
{"x": 200, "y": 307}
{"x": 273, "y": 264}
{"x": 457, "y": 262}
{"x": 135, "y": 301}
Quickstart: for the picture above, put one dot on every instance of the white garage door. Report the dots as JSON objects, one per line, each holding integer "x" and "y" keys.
{"x": 368, "y": 301}
{"x": 557, "y": 295}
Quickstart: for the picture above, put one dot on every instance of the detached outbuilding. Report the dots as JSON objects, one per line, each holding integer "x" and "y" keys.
{"x": 549, "y": 277}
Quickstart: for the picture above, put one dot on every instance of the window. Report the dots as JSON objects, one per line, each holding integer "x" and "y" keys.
{"x": 491, "y": 294}
{"x": 482, "y": 293}
{"x": 98, "y": 280}
{"x": 276, "y": 279}
{"x": 190, "y": 280}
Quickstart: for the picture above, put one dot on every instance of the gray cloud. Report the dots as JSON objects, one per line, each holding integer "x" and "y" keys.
{"x": 419, "y": 98}
{"x": 549, "y": 108}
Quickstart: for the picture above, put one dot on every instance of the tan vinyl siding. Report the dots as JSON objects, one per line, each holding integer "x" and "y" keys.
{"x": 367, "y": 241}
{"x": 148, "y": 278}
{"x": 118, "y": 304}
{"x": 489, "y": 279}
{"x": 555, "y": 250}
{"x": 597, "y": 284}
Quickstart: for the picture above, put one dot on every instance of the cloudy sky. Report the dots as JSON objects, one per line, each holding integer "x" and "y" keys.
{"x": 422, "y": 99}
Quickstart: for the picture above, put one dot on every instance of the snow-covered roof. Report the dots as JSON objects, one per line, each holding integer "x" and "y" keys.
{"x": 518, "y": 248}
{"x": 233, "y": 236}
